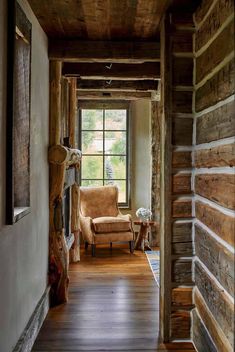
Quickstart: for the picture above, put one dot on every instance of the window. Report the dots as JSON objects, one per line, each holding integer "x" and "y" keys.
{"x": 104, "y": 144}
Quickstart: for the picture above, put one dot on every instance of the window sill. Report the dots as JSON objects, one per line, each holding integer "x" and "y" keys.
{"x": 20, "y": 212}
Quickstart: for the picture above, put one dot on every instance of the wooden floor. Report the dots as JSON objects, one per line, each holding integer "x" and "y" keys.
{"x": 113, "y": 306}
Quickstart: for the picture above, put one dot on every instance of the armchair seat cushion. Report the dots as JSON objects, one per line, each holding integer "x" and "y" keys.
{"x": 108, "y": 224}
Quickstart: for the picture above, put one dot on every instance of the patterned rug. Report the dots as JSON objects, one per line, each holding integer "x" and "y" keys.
{"x": 154, "y": 262}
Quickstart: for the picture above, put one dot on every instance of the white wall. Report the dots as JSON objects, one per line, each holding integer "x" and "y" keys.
{"x": 140, "y": 143}
{"x": 24, "y": 246}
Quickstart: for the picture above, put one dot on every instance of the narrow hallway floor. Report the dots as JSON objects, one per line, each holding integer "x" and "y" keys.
{"x": 113, "y": 306}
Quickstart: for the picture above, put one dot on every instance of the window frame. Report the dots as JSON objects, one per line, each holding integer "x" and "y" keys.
{"x": 110, "y": 106}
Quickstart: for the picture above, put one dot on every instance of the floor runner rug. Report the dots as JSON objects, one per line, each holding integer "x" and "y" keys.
{"x": 154, "y": 262}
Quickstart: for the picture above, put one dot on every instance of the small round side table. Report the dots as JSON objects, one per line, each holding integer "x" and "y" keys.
{"x": 142, "y": 241}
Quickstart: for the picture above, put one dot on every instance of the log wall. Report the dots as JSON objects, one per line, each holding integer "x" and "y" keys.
{"x": 214, "y": 176}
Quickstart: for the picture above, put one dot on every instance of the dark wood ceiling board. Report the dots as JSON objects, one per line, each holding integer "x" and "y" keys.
{"x": 122, "y": 19}
{"x": 99, "y": 71}
{"x": 115, "y": 85}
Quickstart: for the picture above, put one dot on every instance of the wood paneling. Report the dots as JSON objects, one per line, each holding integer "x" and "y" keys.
{"x": 182, "y": 232}
{"x": 104, "y": 51}
{"x": 217, "y": 258}
{"x": 201, "y": 338}
{"x": 219, "y": 188}
{"x": 221, "y": 11}
{"x": 217, "y": 301}
{"x": 182, "y": 296}
{"x": 219, "y": 87}
{"x": 223, "y": 225}
{"x": 181, "y": 160}
{"x": 221, "y": 47}
{"x": 182, "y": 131}
{"x": 182, "y": 70}
{"x": 181, "y": 183}
{"x": 223, "y": 155}
{"x": 116, "y": 72}
{"x": 182, "y": 101}
{"x": 216, "y": 124}
{"x": 180, "y": 324}
{"x": 146, "y": 85}
{"x": 182, "y": 271}
{"x": 182, "y": 208}
{"x": 215, "y": 331}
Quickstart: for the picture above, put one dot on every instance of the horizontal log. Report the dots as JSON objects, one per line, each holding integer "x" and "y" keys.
{"x": 130, "y": 86}
{"x": 180, "y": 324}
{"x": 216, "y": 124}
{"x": 215, "y": 331}
{"x": 83, "y": 95}
{"x": 182, "y": 271}
{"x": 219, "y": 188}
{"x": 221, "y": 47}
{"x": 100, "y": 71}
{"x": 218, "y": 259}
{"x": 200, "y": 336}
{"x": 182, "y": 71}
{"x": 182, "y": 131}
{"x": 216, "y": 300}
{"x": 181, "y": 183}
{"x": 182, "y": 208}
{"x": 202, "y": 10}
{"x": 182, "y": 101}
{"x": 218, "y": 88}
{"x": 181, "y": 160}
{"x": 223, "y": 155}
{"x": 182, "y": 296}
{"x": 182, "y": 232}
{"x": 223, "y": 225}
{"x": 220, "y": 12}
{"x": 59, "y": 155}
{"x": 103, "y": 51}
{"x": 182, "y": 42}
{"x": 182, "y": 248}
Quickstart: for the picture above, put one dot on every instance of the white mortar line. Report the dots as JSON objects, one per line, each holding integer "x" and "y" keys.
{"x": 215, "y": 106}
{"x": 182, "y": 55}
{"x": 221, "y": 288}
{"x": 215, "y": 170}
{"x": 182, "y": 148}
{"x": 214, "y": 205}
{"x": 183, "y": 221}
{"x": 198, "y": 25}
{"x": 213, "y": 144}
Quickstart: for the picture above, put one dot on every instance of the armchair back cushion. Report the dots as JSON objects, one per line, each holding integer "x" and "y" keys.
{"x": 98, "y": 202}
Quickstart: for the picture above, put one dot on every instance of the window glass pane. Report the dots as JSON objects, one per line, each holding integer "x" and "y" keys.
{"x": 92, "y": 167}
{"x": 92, "y": 183}
{"x": 92, "y": 120}
{"x": 115, "y": 167}
{"x": 115, "y": 119}
{"x": 121, "y": 189}
{"x": 115, "y": 142}
{"x": 92, "y": 142}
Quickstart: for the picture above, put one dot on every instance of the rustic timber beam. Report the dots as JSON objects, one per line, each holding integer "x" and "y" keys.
{"x": 103, "y": 51}
{"x": 128, "y": 86}
{"x": 99, "y": 71}
{"x": 112, "y": 95}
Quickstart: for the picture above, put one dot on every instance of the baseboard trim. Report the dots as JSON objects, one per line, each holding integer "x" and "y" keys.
{"x": 29, "y": 335}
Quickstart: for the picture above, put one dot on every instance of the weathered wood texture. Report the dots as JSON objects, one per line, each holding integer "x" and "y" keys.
{"x": 217, "y": 88}
{"x": 223, "y": 155}
{"x": 216, "y": 300}
{"x": 219, "y": 188}
{"x": 182, "y": 101}
{"x": 182, "y": 296}
{"x": 201, "y": 338}
{"x": 182, "y": 249}
{"x": 182, "y": 131}
{"x": 216, "y": 124}
{"x": 182, "y": 69}
{"x": 181, "y": 160}
{"x": 182, "y": 42}
{"x": 55, "y": 103}
{"x": 182, "y": 208}
{"x": 180, "y": 324}
{"x": 129, "y": 86}
{"x": 90, "y": 95}
{"x": 221, "y": 47}
{"x": 58, "y": 154}
{"x": 217, "y": 258}
{"x": 182, "y": 271}
{"x": 182, "y": 232}
{"x": 220, "y": 12}
{"x": 202, "y": 10}
{"x": 217, "y": 334}
{"x": 72, "y": 111}
{"x": 181, "y": 183}
{"x": 223, "y": 225}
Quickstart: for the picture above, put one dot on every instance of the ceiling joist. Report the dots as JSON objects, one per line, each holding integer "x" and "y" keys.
{"x": 148, "y": 70}
{"x": 103, "y": 51}
{"x": 94, "y": 95}
{"x": 127, "y": 86}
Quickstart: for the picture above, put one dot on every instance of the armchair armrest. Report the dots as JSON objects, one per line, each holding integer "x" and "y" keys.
{"x": 87, "y": 229}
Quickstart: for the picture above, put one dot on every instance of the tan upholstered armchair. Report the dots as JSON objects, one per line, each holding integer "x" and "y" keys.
{"x": 100, "y": 219}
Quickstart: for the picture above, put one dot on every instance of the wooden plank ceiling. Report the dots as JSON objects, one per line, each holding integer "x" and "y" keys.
{"x": 117, "y": 39}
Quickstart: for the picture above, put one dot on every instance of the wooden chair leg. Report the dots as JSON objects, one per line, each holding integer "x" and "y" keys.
{"x": 111, "y": 245}
{"x": 86, "y": 245}
{"x": 93, "y": 250}
{"x": 131, "y": 246}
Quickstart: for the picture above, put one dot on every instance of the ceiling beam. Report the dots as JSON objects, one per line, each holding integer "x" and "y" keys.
{"x": 94, "y": 95}
{"x": 103, "y": 51}
{"x": 128, "y": 86}
{"x": 148, "y": 70}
